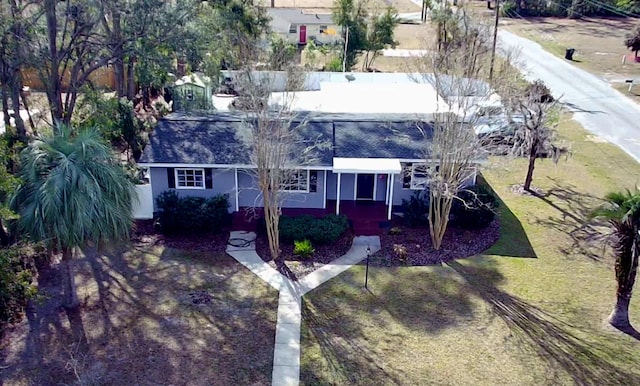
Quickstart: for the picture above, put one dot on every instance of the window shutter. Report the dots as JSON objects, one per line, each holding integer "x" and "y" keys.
{"x": 208, "y": 178}
{"x": 313, "y": 181}
{"x": 171, "y": 178}
{"x": 406, "y": 176}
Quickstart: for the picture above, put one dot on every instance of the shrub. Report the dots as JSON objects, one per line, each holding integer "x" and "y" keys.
{"x": 539, "y": 92}
{"x": 475, "y": 208}
{"x": 16, "y": 288}
{"x": 334, "y": 65}
{"x": 416, "y": 209}
{"x": 192, "y": 214}
{"x": 395, "y": 231}
{"x": 401, "y": 252}
{"x": 303, "y": 248}
{"x": 325, "y": 230}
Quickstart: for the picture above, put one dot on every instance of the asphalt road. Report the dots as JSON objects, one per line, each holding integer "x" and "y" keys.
{"x": 597, "y": 106}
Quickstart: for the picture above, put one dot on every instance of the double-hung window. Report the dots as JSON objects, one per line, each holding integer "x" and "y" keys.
{"x": 415, "y": 176}
{"x": 190, "y": 178}
{"x": 293, "y": 28}
{"x": 419, "y": 177}
{"x": 296, "y": 181}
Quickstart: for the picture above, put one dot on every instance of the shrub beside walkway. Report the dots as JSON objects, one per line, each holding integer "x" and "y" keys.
{"x": 286, "y": 356}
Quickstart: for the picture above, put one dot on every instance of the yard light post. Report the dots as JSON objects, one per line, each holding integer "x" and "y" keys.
{"x": 366, "y": 275}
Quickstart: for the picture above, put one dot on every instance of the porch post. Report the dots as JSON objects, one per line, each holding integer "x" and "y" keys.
{"x": 390, "y": 197}
{"x": 386, "y": 193}
{"x": 338, "y": 195}
{"x": 324, "y": 197}
{"x": 355, "y": 187}
{"x": 375, "y": 186}
{"x": 236, "y": 180}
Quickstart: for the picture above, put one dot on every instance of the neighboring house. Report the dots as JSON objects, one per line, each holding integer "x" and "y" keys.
{"x": 375, "y": 158}
{"x": 192, "y": 91}
{"x": 297, "y": 27}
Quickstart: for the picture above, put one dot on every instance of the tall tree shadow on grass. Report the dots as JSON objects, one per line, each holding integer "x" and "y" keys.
{"x": 336, "y": 320}
{"x": 513, "y": 241}
{"x": 151, "y": 316}
{"x": 585, "y": 362}
{"x": 573, "y": 218}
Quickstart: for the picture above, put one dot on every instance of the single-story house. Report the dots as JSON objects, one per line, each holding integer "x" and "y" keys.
{"x": 297, "y": 27}
{"x": 377, "y": 158}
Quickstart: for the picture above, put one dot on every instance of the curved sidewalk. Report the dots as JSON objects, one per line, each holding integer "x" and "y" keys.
{"x": 286, "y": 355}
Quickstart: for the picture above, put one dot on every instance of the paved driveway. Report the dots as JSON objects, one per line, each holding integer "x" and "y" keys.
{"x": 598, "y": 107}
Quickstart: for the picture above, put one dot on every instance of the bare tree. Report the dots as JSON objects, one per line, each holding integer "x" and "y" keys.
{"x": 453, "y": 149}
{"x": 280, "y": 153}
{"x": 534, "y": 136}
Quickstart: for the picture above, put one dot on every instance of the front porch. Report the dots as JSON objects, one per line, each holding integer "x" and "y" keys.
{"x": 367, "y": 217}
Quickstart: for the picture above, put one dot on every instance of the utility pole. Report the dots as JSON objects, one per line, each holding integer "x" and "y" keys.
{"x": 495, "y": 40}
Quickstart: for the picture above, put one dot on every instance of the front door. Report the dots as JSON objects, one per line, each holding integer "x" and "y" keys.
{"x": 365, "y": 187}
{"x": 303, "y": 34}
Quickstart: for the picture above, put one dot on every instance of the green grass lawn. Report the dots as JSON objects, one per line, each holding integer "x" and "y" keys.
{"x": 532, "y": 310}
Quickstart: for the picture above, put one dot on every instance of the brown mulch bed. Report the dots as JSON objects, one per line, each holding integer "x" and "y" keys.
{"x": 295, "y": 267}
{"x": 214, "y": 242}
{"x": 457, "y": 243}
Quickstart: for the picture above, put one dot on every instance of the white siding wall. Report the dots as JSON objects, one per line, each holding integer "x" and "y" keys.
{"x": 143, "y": 207}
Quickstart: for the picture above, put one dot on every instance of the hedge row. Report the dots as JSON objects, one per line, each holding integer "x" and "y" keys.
{"x": 180, "y": 215}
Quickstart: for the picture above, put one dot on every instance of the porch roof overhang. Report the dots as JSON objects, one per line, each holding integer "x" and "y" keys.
{"x": 367, "y": 165}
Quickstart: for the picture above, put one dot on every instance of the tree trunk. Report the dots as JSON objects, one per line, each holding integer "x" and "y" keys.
{"x": 118, "y": 56}
{"x": 131, "y": 80}
{"x": 25, "y": 102}
{"x": 439, "y": 209}
{"x": 271, "y": 218}
{"x": 532, "y": 164}
{"x": 4, "y": 237}
{"x": 53, "y": 84}
{"x": 70, "y": 300}
{"x": 4, "y": 83}
{"x": 5, "y": 105}
{"x": 620, "y": 315}
{"x": 16, "y": 86}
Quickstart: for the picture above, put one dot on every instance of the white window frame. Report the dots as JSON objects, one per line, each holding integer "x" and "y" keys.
{"x": 177, "y": 180}
{"x": 306, "y": 184}
{"x": 293, "y": 28}
{"x": 424, "y": 181}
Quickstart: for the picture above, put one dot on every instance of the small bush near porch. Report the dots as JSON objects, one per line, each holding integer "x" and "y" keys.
{"x": 330, "y": 237}
{"x": 319, "y": 230}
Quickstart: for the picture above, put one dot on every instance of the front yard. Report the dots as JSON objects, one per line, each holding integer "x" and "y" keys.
{"x": 529, "y": 311}
{"x": 150, "y": 315}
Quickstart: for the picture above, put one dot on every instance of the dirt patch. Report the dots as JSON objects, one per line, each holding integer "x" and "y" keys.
{"x": 598, "y": 42}
{"x": 418, "y": 251}
{"x": 414, "y": 36}
{"x": 295, "y": 267}
{"x": 150, "y": 314}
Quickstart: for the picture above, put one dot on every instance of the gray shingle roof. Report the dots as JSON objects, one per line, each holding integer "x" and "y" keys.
{"x": 297, "y": 16}
{"x": 223, "y": 138}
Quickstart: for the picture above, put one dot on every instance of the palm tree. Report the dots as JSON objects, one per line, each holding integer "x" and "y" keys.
{"x": 73, "y": 192}
{"x": 623, "y": 212}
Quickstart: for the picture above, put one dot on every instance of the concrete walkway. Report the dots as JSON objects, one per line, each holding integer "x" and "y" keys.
{"x": 286, "y": 355}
